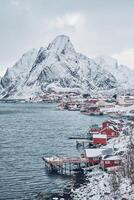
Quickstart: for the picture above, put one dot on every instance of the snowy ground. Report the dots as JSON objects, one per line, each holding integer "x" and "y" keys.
{"x": 98, "y": 183}
{"x": 99, "y": 188}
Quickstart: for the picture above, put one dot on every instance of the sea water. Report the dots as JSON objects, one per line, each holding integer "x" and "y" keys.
{"x": 29, "y": 131}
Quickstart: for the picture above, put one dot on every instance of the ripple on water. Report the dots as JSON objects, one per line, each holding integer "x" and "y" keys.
{"x": 28, "y": 131}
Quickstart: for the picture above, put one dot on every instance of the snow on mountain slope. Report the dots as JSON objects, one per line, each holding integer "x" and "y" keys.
{"x": 61, "y": 44}
{"x": 57, "y": 66}
{"x": 123, "y": 74}
{"x": 18, "y": 73}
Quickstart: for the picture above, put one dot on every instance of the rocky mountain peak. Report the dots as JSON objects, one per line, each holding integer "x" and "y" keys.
{"x": 59, "y": 67}
{"x": 61, "y": 44}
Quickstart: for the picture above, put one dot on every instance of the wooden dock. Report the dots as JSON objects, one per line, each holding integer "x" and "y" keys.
{"x": 77, "y": 138}
{"x": 65, "y": 165}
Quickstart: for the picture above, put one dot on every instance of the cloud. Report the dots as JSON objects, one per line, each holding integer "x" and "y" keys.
{"x": 126, "y": 57}
{"x": 95, "y": 27}
{"x": 15, "y": 2}
{"x": 68, "y": 20}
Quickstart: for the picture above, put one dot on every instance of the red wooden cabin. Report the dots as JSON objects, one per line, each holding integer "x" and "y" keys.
{"x": 110, "y": 161}
{"x": 110, "y": 132}
{"x": 114, "y": 123}
{"x": 93, "y": 155}
{"x": 99, "y": 139}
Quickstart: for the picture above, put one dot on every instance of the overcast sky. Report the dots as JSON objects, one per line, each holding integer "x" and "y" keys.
{"x": 96, "y": 27}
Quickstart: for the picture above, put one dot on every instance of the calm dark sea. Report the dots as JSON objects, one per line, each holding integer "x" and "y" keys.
{"x": 27, "y": 132}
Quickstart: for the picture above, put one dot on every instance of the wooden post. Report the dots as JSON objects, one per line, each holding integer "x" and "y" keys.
{"x": 59, "y": 168}
{"x": 70, "y": 168}
{"x": 65, "y": 168}
{"x": 62, "y": 168}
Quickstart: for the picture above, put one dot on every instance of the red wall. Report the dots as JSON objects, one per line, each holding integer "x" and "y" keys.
{"x": 93, "y": 161}
{"x": 111, "y": 163}
{"x": 109, "y": 132}
{"x": 99, "y": 141}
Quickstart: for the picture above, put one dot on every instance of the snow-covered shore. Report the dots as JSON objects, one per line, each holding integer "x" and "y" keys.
{"x": 98, "y": 185}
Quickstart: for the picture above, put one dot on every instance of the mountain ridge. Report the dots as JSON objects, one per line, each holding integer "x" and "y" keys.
{"x": 59, "y": 67}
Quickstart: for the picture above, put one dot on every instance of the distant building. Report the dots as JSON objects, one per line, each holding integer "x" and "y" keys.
{"x": 125, "y": 100}
{"x": 103, "y": 103}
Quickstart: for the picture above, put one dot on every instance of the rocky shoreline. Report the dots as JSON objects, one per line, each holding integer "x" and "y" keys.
{"x": 67, "y": 194}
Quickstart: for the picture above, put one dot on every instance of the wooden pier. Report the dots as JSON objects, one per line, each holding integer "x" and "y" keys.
{"x": 65, "y": 165}
{"x": 78, "y": 138}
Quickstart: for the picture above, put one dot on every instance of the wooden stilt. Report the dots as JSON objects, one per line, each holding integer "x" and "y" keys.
{"x": 70, "y": 168}
{"x": 65, "y": 168}
{"x": 64, "y": 165}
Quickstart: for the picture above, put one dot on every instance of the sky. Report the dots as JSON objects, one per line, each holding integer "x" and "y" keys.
{"x": 95, "y": 27}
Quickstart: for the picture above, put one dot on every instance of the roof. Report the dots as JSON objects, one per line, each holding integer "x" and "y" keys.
{"x": 96, "y": 152}
{"x": 114, "y": 128}
{"x": 90, "y": 153}
{"x": 111, "y": 168}
{"x": 107, "y": 151}
{"x": 111, "y": 158}
{"x": 100, "y": 136}
{"x": 109, "y": 127}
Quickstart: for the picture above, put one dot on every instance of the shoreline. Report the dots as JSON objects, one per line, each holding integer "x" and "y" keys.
{"x": 75, "y": 182}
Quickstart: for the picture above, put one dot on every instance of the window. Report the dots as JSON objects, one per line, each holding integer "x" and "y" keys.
{"x": 112, "y": 134}
{"x": 107, "y": 162}
{"x": 116, "y": 162}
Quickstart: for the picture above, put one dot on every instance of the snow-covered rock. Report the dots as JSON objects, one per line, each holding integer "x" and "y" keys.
{"x": 59, "y": 67}
{"x": 122, "y": 73}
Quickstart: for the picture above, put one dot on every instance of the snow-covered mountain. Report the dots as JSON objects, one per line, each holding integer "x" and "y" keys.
{"x": 122, "y": 73}
{"x": 59, "y": 67}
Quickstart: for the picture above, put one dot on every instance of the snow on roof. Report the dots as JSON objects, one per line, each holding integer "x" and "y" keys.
{"x": 100, "y": 136}
{"x": 113, "y": 168}
{"x": 90, "y": 153}
{"x": 114, "y": 128}
{"x": 107, "y": 151}
{"x": 97, "y": 152}
{"x": 109, "y": 127}
{"x": 111, "y": 158}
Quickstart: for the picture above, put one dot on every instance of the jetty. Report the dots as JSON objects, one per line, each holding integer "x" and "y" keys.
{"x": 95, "y": 150}
{"x": 77, "y": 138}
{"x": 65, "y": 165}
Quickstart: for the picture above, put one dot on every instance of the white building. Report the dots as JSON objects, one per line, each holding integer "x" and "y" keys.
{"x": 125, "y": 100}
